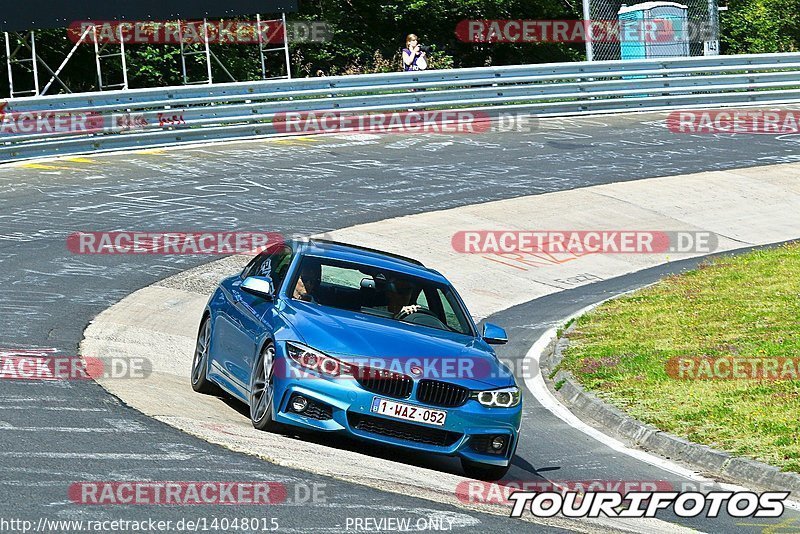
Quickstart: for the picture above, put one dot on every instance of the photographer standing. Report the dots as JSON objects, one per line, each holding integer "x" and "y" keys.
{"x": 413, "y": 55}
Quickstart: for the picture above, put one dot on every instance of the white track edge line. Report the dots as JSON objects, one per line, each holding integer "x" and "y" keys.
{"x": 536, "y": 385}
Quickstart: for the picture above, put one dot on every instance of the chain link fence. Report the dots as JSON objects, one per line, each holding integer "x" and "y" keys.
{"x": 702, "y": 29}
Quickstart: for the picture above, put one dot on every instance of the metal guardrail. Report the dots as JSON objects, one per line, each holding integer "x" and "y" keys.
{"x": 132, "y": 118}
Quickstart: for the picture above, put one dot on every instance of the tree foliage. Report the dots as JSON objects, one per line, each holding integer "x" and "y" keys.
{"x": 363, "y": 27}
{"x": 761, "y": 26}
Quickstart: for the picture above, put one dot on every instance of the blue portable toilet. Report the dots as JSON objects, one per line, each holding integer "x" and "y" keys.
{"x": 639, "y": 41}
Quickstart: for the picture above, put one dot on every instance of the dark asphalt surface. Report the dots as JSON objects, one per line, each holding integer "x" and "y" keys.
{"x": 53, "y": 434}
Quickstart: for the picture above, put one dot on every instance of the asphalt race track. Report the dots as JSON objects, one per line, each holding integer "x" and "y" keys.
{"x": 53, "y": 434}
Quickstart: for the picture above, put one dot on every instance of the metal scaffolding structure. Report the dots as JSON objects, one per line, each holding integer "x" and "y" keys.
{"x": 263, "y": 51}
{"x": 204, "y": 49}
{"x": 22, "y": 58}
{"x": 30, "y": 63}
{"x": 23, "y": 42}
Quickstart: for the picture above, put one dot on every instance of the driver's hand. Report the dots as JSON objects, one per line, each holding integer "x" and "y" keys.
{"x": 300, "y": 291}
{"x": 408, "y": 310}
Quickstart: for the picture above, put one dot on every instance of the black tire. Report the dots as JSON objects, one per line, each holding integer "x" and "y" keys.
{"x": 200, "y": 382}
{"x": 261, "y": 390}
{"x": 479, "y": 471}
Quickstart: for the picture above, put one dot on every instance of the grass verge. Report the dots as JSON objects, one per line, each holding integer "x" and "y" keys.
{"x": 744, "y": 307}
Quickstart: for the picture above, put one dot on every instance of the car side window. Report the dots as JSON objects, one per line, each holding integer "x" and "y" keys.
{"x": 274, "y": 264}
{"x": 339, "y": 276}
{"x": 451, "y": 319}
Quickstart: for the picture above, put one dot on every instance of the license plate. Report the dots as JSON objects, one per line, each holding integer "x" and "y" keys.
{"x": 399, "y": 410}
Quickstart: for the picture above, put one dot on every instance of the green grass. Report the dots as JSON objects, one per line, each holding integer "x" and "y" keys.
{"x": 744, "y": 306}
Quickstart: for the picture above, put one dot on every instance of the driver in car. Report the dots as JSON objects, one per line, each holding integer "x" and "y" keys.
{"x": 308, "y": 281}
{"x": 399, "y": 298}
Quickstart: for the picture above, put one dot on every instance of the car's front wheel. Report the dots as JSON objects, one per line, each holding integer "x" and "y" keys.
{"x": 200, "y": 382}
{"x": 480, "y": 471}
{"x": 261, "y": 389}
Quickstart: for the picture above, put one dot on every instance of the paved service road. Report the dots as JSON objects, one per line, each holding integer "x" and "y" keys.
{"x": 52, "y": 434}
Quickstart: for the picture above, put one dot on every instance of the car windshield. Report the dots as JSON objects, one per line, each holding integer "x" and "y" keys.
{"x": 379, "y": 292}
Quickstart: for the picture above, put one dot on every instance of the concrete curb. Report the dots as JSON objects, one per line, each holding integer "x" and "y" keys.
{"x": 610, "y": 419}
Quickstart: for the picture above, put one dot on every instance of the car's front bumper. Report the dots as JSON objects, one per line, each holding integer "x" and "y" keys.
{"x": 342, "y": 405}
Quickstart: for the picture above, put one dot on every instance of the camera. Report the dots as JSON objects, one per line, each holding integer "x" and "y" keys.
{"x": 426, "y": 48}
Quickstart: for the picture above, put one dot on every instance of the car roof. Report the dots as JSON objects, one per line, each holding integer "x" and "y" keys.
{"x": 368, "y": 256}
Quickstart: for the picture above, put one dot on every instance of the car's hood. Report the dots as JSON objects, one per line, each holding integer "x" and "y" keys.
{"x": 360, "y": 338}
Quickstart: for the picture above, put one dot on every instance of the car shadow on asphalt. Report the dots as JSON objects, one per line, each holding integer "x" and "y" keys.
{"x": 521, "y": 470}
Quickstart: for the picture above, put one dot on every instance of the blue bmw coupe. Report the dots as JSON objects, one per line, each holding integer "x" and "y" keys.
{"x": 339, "y": 338}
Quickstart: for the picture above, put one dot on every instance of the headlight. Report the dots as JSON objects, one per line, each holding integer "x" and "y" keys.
{"x": 316, "y": 361}
{"x": 498, "y": 398}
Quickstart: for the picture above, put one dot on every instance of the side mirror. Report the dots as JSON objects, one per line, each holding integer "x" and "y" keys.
{"x": 260, "y": 286}
{"x": 494, "y": 335}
